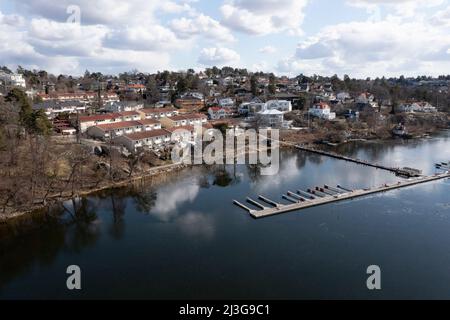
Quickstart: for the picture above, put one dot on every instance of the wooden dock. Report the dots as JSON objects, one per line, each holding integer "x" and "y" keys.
{"x": 397, "y": 171}
{"x": 302, "y": 199}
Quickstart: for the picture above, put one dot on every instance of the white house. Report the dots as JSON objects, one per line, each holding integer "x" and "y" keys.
{"x": 217, "y": 113}
{"x": 196, "y": 95}
{"x": 227, "y": 81}
{"x": 150, "y": 139}
{"x": 424, "y": 107}
{"x": 88, "y": 121}
{"x": 112, "y": 130}
{"x": 185, "y": 133}
{"x": 252, "y": 107}
{"x": 130, "y": 115}
{"x": 13, "y": 79}
{"x": 226, "y": 103}
{"x": 184, "y": 120}
{"x": 323, "y": 111}
{"x": 343, "y": 96}
{"x": 157, "y": 113}
{"x": 150, "y": 124}
{"x": 117, "y": 106}
{"x": 271, "y": 118}
{"x": 116, "y": 129}
{"x": 280, "y": 105}
{"x": 54, "y": 108}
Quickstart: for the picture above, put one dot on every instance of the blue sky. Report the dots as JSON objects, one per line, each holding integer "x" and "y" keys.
{"x": 362, "y": 38}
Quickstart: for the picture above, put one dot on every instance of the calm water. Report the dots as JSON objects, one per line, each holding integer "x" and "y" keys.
{"x": 183, "y": 238}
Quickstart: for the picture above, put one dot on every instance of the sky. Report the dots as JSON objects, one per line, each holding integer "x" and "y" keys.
{"x": 361, "y": 38}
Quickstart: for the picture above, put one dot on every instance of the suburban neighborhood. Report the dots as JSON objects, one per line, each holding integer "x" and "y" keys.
{"x": 111, "y": 109}
{"x": 233, "y": 157}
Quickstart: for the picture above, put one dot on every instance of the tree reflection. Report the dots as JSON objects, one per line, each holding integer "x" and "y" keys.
{"x": 39, "y": 238}
{"x": 223, "y": 178}
{"x": 83, "y": 230}
{"x": 117, "y": 228}
{"x": 144, "y": 199}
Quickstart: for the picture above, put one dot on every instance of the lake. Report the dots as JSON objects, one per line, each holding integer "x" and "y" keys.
{"x": 181, "y": 237}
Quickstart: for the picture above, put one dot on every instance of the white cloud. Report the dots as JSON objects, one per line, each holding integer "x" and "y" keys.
{"x": 262, "y": 17}
{"x": 171, "y": 198}
{"x": 140, "y": 38}
{"x": 218, "y": 56}
{"x": 201, "y": 25}
{"x": 106, "y": 12}
{"x": 127, "y": 34}
{"x": 260, "y": 66}
{"x": 441, "y": 18}
{"x": 388, "y": 47}
{"x": 404, "y": 8}
{"x": 268, "y": 50}
{"x": 197, "y": 224}
{"x": 69, "y": 39}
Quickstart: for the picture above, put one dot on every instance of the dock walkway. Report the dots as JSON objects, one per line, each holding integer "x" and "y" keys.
{"x": 332, "y": 195}
{"x": 397, "y": 171}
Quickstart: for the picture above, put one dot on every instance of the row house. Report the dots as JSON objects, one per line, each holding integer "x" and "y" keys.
{"x": 111, "y": 130}
{"x": 158, "y": 113}
{"x": 105, "y": 131}
{"x": 150, "y": 124}
{"x": 122, "y": 106}
{"x": 110, "y": 97}
{"x": 151, "y": 139}
{"x": 86, "y": 122}
{"x": 184, "y": 120}
{"x": 184, "y": 133}
{"x": 130, "y": 115}
{"x": 55, "y": 108}
{"x": 79, "y": 96}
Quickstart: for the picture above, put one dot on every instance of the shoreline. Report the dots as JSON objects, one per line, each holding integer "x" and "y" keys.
{"x": 157, "y": 171}
{"x": 154, "y": 172}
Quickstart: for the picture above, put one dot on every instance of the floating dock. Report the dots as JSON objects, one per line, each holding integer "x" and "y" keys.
{"x": 302, "y": 199}
{"x": 406, "y": 172}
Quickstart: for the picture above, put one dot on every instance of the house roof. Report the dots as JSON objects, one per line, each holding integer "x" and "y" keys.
{"x": 148, "y": 121}
{"x": 158, "y": 110}
{"x": 118, "y": 125}
{"x": 147, "y": 134}
{"x": 193, "y": 116}
{"x": 188, "y": 128}
{"x": 129, "y": 113}
{"x": 136, "y": 86}
{"x": 321, "y": 105}
{"x": 216, "y": 109}
{"x": 271, "y": 112}
{"x": 100, "y": 117}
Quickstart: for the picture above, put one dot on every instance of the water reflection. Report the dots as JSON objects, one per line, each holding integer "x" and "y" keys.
{"x": 151, "y": 230}
{"x": 224, "y": 178}
{"x": 39, "y": 239}
{"x": 171, "y": 197}
{"x": 84, "y": 224}
{"x": 197, "y": 224}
